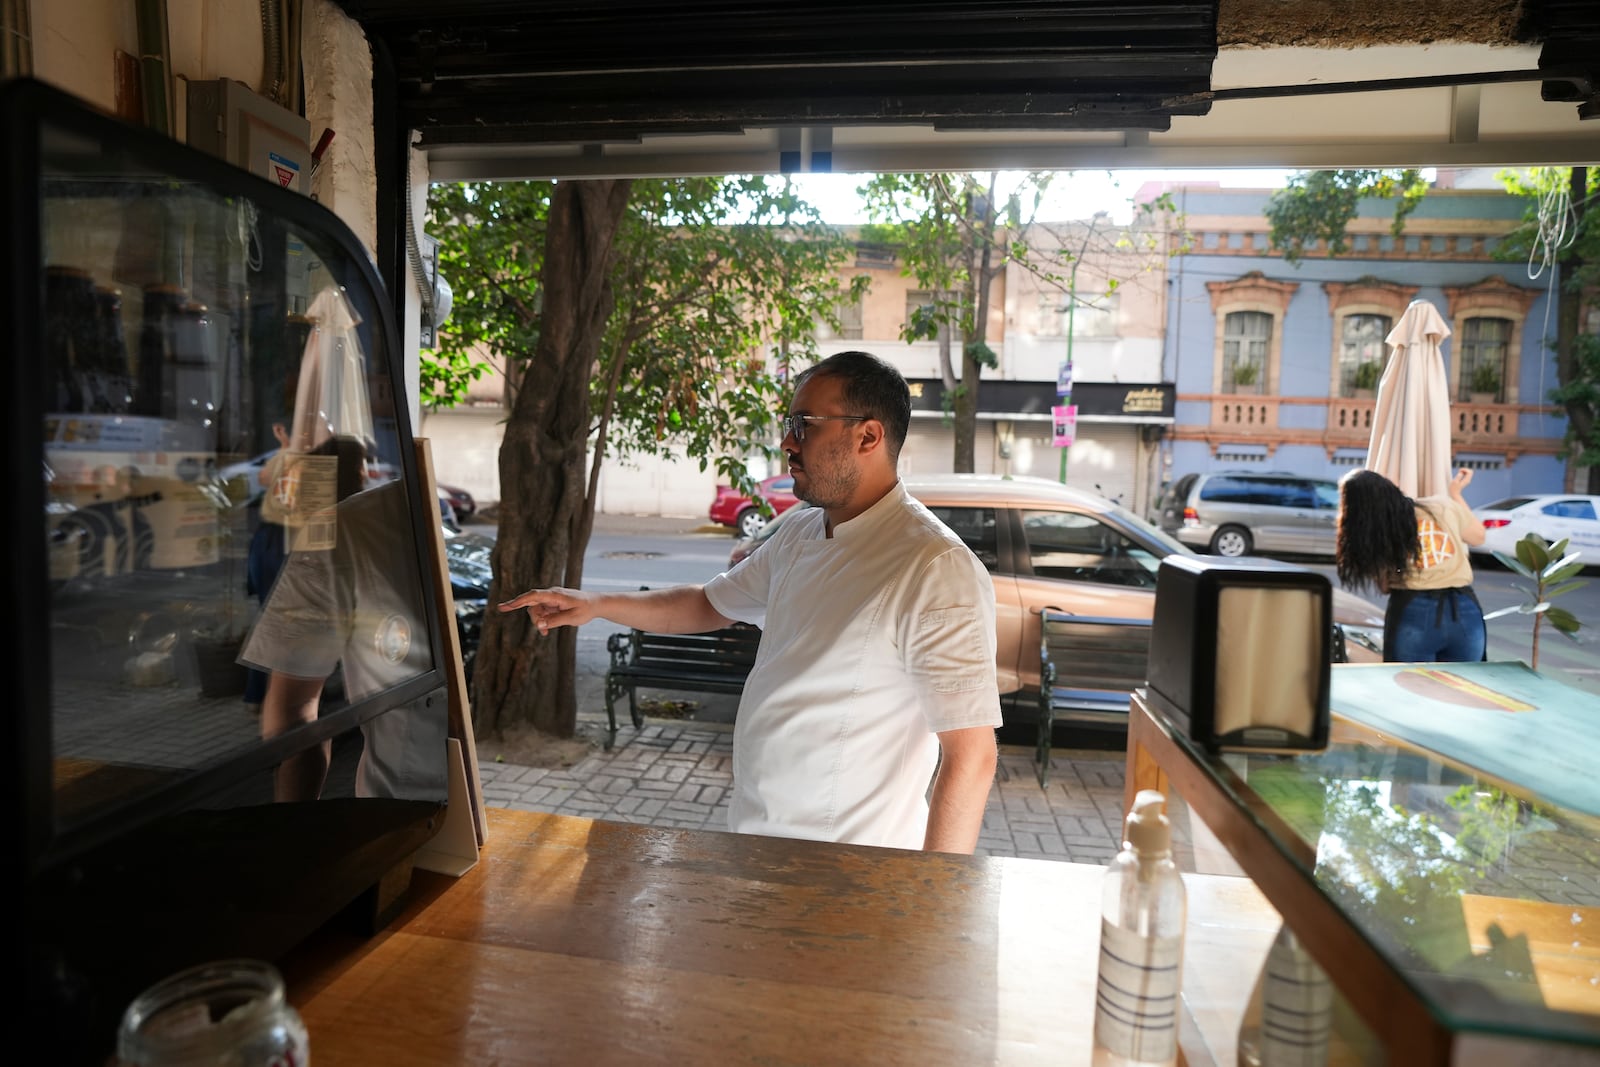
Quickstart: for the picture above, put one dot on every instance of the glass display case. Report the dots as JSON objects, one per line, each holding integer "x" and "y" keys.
{"x": 204, "y": 414}
{"x": 1456, "y": 910}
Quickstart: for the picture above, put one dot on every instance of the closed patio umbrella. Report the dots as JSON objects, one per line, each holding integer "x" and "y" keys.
{"x": 1410, "y": 442}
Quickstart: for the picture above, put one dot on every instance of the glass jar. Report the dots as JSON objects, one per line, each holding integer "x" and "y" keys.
{"x": 229, "y": 1013}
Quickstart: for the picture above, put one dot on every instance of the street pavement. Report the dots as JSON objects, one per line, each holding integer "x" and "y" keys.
{"x": 678, "y": 773}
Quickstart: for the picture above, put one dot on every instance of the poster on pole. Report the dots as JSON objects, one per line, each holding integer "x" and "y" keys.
{"x": 1066, "y": 424}
{"x": 1064, "y": 379}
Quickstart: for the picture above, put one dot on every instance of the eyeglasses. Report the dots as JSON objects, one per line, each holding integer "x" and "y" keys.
{"x": 797, "y": 423}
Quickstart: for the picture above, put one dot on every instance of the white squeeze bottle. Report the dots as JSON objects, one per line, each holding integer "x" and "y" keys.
{"x": 1143, "y": 908}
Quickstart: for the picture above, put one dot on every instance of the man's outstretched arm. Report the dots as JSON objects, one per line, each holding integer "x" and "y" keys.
{"x": 682, "y": 609}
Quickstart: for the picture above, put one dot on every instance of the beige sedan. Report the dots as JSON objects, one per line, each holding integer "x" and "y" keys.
{"x": 1047, "y": 545}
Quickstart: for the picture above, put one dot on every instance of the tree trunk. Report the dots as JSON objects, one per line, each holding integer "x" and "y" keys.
{"x": 1569, "y": 324}
{"x": 521, "y": 678}
{"x": 979, "y": 253}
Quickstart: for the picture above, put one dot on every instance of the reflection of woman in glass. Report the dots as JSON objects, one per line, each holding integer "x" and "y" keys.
{"x": 1416, "y": 552}
{"x": 352, "y": 602}
{"x": 267, "y": 551}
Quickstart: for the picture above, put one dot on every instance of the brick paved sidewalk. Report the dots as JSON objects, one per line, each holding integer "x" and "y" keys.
{"x": 678, "y": 773}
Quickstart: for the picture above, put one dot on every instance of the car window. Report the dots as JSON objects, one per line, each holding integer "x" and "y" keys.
{"x": 1295, "y": 495}
{"x": 1161, "y": 543}
{"x": 1570, "y": 509}
{"x": 1327, "y": 495}
{"x": 1510, "y": 503}
{"x": 975, "y": 526}
{"x": 1225, "y": 490}
{"x": 782, "y": 485}
{"x": 1076, "y": 547}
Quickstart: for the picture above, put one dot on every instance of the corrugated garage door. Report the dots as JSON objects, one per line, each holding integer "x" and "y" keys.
{"x": 930, "y": 447}
{"x": 1105, "y": 460}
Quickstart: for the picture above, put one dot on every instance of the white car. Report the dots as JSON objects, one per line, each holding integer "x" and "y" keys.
{"x": 1554, "y": 517}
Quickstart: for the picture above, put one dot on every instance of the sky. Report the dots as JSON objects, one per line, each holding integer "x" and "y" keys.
{"x": 1075, "y": 194}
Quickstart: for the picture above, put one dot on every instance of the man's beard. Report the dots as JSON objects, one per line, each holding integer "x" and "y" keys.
{"x": 831, "y": 478}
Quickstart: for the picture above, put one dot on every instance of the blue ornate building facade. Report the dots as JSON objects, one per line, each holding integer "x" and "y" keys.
{"x": 1274, "y": 362}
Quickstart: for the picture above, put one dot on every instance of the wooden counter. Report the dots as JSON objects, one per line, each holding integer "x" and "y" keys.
{"x": 582, "y": 942}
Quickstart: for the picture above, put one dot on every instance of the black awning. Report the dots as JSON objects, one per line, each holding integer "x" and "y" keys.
{"x": 495, "y": 71}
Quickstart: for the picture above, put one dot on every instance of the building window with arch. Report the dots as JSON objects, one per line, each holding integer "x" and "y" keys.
{"x": 1485, "y": 354}
{"x": 1485, "y": 343}
{"x": 1246, "y": 346}
{"x": 1362, "y": 351}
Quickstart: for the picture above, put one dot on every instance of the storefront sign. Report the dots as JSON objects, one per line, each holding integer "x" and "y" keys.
{"x": 1151, "y": 401}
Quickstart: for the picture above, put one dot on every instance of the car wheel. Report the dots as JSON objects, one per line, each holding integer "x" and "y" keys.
{"x": 749, "y": 522}
{"x": 1231, "y": 541}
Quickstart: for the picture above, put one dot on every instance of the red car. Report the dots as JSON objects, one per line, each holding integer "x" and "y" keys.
{"x": 732, "y": 508}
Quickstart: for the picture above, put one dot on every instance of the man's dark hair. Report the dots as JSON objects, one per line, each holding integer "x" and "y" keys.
{"x": 872, "y": 387}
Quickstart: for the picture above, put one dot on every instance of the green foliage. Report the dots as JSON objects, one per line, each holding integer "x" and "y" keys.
{"x": 1318, "y": 206}
{"x": 955, "y": 233}
{"x": 1246, "y": 373}
{"x": 1582, "y": 392}
{"x": 1577, "y": 352}
{"x": 981, "y": 355}
{"x": 1485, "y": 379}
{"x": 491, "y": 249}
{"x": 1367, "y": 375}
{"x": 1553, "y": 572}
{"x": 719, "y": 283}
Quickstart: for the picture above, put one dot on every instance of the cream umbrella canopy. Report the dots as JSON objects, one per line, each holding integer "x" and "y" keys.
{"x": 1410, "y": 442}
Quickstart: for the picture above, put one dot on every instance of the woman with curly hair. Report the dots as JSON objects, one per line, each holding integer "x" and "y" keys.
{"x": 1416, "y": 552}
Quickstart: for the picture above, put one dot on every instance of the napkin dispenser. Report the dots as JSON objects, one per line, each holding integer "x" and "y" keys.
{"x": 1240, "y": 653}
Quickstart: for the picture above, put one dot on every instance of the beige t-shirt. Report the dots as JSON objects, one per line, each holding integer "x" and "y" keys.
{"x": 1444, "y": 562}
{"x": 274, "y": 490}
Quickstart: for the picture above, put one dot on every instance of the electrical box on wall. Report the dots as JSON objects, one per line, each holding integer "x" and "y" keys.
{"x": 227, "y": 119}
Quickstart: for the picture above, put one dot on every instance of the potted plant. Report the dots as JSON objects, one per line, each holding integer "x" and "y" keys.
{"x": 1484, "y": 387}
{"x": 1365, "y": 383}
{"x": 1246, "y": 377}
{"x": 1553, "y": 571}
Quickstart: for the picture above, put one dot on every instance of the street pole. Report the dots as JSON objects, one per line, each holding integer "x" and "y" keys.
{"x": 1072, "y": 307}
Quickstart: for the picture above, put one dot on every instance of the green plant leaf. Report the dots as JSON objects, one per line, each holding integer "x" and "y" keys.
{"x": 1566, "y": 587}
{"x": 1511, "y": 563}
{"x": 1562, "y": 569}
{"x": 1533, "y": 553}
{"x": 1564, "y": 621}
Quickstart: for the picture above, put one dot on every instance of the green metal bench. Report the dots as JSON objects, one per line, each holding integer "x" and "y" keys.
{"x": 714, "y": 662}
{"x": 1089, "y": 665}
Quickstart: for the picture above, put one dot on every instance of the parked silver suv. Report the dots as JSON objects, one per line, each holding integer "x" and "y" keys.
{"x": 1236, "y": 513}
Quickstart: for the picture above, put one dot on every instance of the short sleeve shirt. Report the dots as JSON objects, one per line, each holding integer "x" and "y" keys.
{"x": 1443, "y": 562}
{"x": 873, "y": 641}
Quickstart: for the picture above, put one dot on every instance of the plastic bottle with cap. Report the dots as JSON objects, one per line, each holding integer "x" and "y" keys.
{"x": 1143, "y": 909}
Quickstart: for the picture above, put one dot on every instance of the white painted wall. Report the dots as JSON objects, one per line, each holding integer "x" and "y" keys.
{"x": 338, "y": 93}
